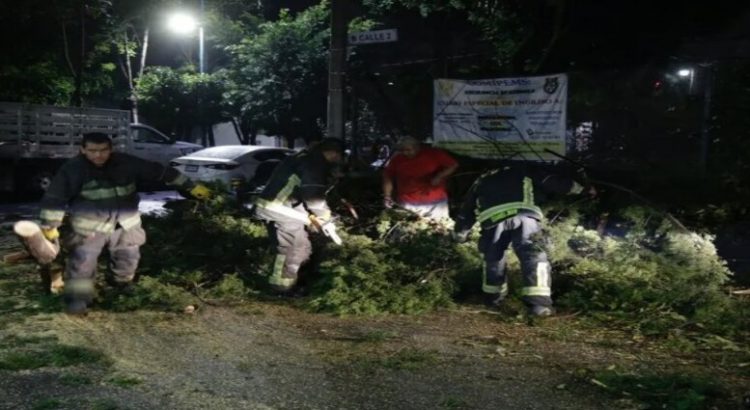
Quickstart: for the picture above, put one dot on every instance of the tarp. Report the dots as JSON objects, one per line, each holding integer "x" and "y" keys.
{"x": 510, "y": 118}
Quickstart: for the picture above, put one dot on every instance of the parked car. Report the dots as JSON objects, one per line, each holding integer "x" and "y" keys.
{"x": 251, "y": 164}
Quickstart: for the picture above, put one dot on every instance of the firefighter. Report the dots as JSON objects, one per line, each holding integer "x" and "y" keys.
{"x": 503, "y": 202}
{"x": 98, "y": 189}
{"x": 293, "y": 200}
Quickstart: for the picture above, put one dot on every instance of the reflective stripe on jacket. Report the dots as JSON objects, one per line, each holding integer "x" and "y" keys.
{"x": 101, "y": 198}
{"x": 509, "y": 191}
{"x": 301, "y": 179}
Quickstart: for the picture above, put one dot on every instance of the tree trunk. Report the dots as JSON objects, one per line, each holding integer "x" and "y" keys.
{"x": 66, "y": 50}
{"x": 129, "y": 78}
{"x": 204, "y": 136}
{"x": 134, "y": 81}
{"x": 134, "y": 106}
{"x": 211, "y": 139}
{"x": 238, "y": 132}
{"x": 249, "y": 132}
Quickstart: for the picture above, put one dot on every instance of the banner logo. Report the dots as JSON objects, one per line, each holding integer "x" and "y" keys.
{"x": 445, "y": 88}
{"x": 551, "y": 84}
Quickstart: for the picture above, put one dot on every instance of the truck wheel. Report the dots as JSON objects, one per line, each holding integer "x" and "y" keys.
{"x": 40, "y": 181}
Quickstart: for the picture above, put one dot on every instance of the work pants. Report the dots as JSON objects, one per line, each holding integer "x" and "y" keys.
{"x": 523, "y": 232}
{"x": 84, "y": 250}
{"x": 293, "y": 249}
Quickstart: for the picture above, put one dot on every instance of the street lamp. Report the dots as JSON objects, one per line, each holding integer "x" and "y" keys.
{"x": 688, "y": 73}
{"x": 183, "y": 23}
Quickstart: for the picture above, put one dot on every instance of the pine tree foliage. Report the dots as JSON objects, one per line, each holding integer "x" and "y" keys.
{"x": 415, "y": 268}
{"x": 651, "y": 277}
{"x": 639, "y": 272}
{"x": 214, "y": 238}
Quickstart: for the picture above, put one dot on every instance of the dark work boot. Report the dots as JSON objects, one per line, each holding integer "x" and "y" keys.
{"x": 76, "y": 308}
{"x": 281, "y": 290}
{"x": 125, "y": 288}
{"x": 493, "y": 300}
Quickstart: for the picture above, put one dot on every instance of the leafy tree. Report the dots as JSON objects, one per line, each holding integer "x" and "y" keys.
{"x": 179, "y": 100}
{"x": 42, "y": 83}
{"x": 77, "y": 16}
{"x": 128, "y": 33}
{"x": 55, "y": 58}
{"x": 730, "y": 131}
{"x": 516, "y": 30}
{"x": 277, "y": 79}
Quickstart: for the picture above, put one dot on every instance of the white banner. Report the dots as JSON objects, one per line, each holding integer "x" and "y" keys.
{"x": 510, "y": 118}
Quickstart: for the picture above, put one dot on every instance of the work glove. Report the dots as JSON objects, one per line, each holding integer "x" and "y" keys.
{"x": 200, "y": 192}
{"x": 460, "y": 237}
{"x": 387, "y": 202}
{"x": 50, "y": 233}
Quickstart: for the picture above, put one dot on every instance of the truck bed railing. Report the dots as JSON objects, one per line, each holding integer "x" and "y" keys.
{"x": 36, "y": 130}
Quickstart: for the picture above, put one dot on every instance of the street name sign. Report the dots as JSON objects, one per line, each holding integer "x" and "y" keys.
{"x": 375, "y": 36}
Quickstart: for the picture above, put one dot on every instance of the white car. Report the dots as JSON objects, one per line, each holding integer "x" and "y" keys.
{"x": 231, "y": 162}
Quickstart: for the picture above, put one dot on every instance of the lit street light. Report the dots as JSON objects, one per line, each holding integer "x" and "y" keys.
{"x": 688, "y": 73}
{"x": 183, "y": 23}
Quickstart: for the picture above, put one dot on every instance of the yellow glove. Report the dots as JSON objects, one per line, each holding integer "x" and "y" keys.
{"x": 201, "y": 192}
{"x": 51, "y": 233}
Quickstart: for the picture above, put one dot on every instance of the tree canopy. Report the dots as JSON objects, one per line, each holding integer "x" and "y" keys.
{"x": 277, "y": 80}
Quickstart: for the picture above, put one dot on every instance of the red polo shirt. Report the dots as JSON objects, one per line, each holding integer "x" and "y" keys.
{"x": 413, "y": 175}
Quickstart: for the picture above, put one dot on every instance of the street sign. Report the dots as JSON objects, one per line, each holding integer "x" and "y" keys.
{"x": 376, "y": 36}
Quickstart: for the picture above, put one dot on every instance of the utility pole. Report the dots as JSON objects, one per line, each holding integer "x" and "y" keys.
{"x": 337, "y": 68}
{"x": 201, "y": 23}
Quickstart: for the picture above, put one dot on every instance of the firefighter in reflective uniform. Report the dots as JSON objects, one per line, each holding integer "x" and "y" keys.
{"x": 291, "y": 201}
{"x": 98, "y": 189}
{"x": 503, "y": 202}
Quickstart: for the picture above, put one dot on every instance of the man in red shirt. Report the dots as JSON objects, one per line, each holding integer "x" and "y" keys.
{"x": 419, "y": 174}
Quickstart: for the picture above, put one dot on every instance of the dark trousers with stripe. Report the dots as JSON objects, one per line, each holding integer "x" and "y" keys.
{"x": 293, "y": 249}
{"x": 84, "y": 250}
{"x": 523, "y": 232}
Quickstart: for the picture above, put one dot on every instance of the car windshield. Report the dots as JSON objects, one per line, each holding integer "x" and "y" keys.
{"x": 222, "y": 152}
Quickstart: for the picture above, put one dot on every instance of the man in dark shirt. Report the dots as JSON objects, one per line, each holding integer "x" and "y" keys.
{"x": 505, "y": 203}
{"x": 98, "y": 189}
{"x": 293, "y": 199}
